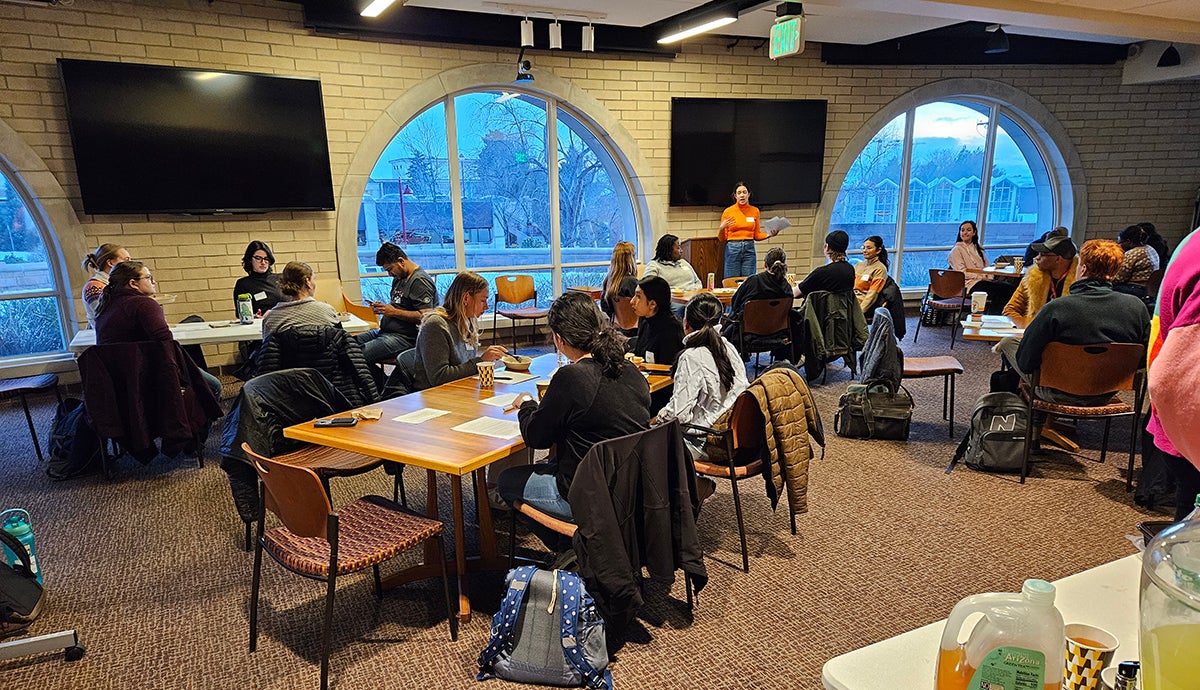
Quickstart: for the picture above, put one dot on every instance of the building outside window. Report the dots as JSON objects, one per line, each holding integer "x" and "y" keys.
{"x": 31, "y": 303}
{"x": 939, "y": 155}
{"x": 498, "y": 182}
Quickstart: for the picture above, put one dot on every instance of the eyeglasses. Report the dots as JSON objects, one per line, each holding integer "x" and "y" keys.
{"x": 149, "y": 278}
{"x": 261, "y": 259}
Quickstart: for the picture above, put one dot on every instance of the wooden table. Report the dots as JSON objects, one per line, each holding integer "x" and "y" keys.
{"x": 589, "y": 290}
{"x": 434, "y": 446}
{"x": 992, "y": 329}
{"x": 1105, "y": 596}
{"x": 204, "y": 333}
{"x": 1009, "y": 271}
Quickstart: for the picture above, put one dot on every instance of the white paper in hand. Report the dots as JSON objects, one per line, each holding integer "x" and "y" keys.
{"x": 775, "y": 224}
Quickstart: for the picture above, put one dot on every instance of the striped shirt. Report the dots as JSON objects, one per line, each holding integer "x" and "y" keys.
{"x": 304, "y": 312}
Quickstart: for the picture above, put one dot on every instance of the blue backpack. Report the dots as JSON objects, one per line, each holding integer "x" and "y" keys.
{"x": 547, "y": 632}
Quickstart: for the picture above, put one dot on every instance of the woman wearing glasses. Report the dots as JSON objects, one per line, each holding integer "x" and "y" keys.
{"x": 261, "y": 283}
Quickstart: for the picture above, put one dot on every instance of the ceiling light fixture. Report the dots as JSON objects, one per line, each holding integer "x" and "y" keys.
{"x": 1170, "y": 57}
{"x": 587, "y": 38}
{"x": 714, "y": 23}
{"x": 524, "y": 68}
{"x": 376, "y": 8}
{"x": 527, "y": 33}
{"x": 556, "y": 35}
{"x": 997, "y": 41}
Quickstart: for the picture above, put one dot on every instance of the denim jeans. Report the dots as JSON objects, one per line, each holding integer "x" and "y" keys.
{"x": 378, "y": 345}
{"x": 537, "y": 485}
{"x": 740, "y": 260}
{"x": 213, "y": 382}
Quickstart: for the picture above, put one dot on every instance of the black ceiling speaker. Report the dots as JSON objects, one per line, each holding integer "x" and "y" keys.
{"x": 1170, "y": 57}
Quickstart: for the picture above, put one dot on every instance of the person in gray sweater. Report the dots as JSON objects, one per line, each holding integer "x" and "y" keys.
{"x": 448, "y": 342}
{"x": 670, "y": 265}
{"x": 302, "y": 309}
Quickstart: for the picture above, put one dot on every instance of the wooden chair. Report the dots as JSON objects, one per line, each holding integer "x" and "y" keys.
{"x": 767, "y": 321}
{"x": 623, "y": 315}
{"x": 947, "y": 291}
{"x": 1153, "y": 284}
{"x": 361, "y": 311}
{"x": 1089, "y": 370}
{"x": 515, "y": 290}
{"x": 743, "y": 442}
{"x": 733, "y": 282}
{"x": 317, "y": 543}
{"x": 945, "y": 366}
{"x": 21, "y": 387}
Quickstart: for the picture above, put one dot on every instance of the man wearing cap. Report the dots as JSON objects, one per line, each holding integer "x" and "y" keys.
{"x": 835, "y": 276}
{"x": 1049, "y": 278}
{"x": 1031, "y": 253}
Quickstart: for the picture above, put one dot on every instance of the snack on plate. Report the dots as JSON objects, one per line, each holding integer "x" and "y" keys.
{"x": 517, "y": 362}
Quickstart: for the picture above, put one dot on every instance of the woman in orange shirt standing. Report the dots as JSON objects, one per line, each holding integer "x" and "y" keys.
{"x": 741, "y": 227}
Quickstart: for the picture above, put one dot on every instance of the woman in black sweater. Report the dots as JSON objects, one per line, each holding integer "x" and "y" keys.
{"x": 598, "y": 396}
{"x": 660, "y": 333}
{"x": 261, "y": 282}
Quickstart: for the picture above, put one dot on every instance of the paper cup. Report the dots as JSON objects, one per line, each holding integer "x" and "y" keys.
{"x": 487, "y": 374}
{"x": 1019, "y": 264}
{"x": 541, "y": 388}
{"x": 1089, "y": 651}
{"x": 978, "y": 302}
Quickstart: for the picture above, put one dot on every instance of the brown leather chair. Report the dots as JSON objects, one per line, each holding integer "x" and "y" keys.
{"x": 322, "y": 545}
{"x": 1087, "y": 370}
{"x": 947, "y": 291}
{"x": 945, "y": 366}
{"x": 515, "y": 289}
{"x": 766, "y": 321}
{"x": 742, "y": 457}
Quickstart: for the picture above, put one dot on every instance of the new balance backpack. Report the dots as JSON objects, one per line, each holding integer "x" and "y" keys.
{"x": 996, "y": 440}
{"x": 547, "y": 632}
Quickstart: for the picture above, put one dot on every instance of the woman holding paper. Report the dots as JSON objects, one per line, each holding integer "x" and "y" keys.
{"x": 449, "y": 337}
{"x": 741, "y": 227}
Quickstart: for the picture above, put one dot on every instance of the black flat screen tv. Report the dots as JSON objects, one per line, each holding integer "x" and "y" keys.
{"x": 777, "y": 147}
{"x": 154, "y": 139}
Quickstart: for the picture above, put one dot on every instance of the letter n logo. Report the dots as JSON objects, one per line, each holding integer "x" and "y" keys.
{"x": 1005, "y": 423}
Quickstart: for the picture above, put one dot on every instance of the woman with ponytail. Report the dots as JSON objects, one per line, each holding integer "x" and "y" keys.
{"x": 709, "y": 374}
{"x": 597, "y": 397}
{"x": 770, "y": 283}
{"x": 871, "y": 274}
{"x": 301, "y": 308}
{"x": 100, "y": 263}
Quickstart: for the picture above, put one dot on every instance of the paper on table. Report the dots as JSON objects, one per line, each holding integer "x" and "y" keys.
{"x": 509, "y": 376}
{"x": 420, "y": 416}
{"x": 490, "y": 426}
{"x": 501, "y": 401}
{"x": 776, "y": 224}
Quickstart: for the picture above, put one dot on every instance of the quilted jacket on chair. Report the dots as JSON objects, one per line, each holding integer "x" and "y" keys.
{"x": 329, "y": 350}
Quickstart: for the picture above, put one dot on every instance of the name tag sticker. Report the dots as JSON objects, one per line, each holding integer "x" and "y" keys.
{"x": 260, "y": 295}
{"x": 749, "y": 219}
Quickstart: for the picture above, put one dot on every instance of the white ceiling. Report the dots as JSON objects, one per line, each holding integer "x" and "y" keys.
{"x": 870, "y": 21}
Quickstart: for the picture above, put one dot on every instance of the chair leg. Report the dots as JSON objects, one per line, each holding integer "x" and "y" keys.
{"x": 1030, "y": 430}
{"x": 920, "y": 318}
{"x": 793, "y": 516}
{"x": 513, "y": 323}
{"x": 398, "y": 494}
{"x": 32, "y": 432}
{"x": 331, "y": 586}
{"x": 446, "y": 590}
{"x": 512, "y": 538}
{"x": 378, "y": 581}
{"x": 1104, "y": 440}
{"x": 954, "y": 326}
{"x": 951, "y": 377}
{"x": 255, "y": 584}
{"x": 737, "y": 509}
{"x": 1133, "y": 434}
{"x": 249, "y": 543}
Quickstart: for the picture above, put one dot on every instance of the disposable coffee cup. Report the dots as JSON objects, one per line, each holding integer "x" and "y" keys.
{"x": 1089, "y": 651}
{"x": 487, "y": 374}
{"x": 541, "y": 388}
{"x": 1019, "y": 264}
{"x": 978, "y": 302}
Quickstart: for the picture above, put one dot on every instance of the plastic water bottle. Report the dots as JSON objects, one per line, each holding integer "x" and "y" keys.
{"x": 16, "y": 523}
{"x": 712, "y": 280}
{"x": 245, "y": 308}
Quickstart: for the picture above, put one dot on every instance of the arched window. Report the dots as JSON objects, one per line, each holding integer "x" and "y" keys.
{"x": 31, "y": 314}
{"x": 937, "y": 157}
{"x": 481, "y": 181}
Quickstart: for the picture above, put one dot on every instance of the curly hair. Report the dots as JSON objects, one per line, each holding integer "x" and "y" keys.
{"x": 663, "y": 250}
{"x": 576, "y": 319}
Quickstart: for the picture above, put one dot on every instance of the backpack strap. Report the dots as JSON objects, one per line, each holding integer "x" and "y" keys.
{"x": 505, "y": 621}
{"x": 570, "y": 593}
{"x": 960, "y": 451}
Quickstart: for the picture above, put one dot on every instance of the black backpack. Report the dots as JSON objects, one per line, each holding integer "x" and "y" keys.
{"x": 996, "y": 440}
{"x": 20, "y": 594}
{"x": 74, "y": 446}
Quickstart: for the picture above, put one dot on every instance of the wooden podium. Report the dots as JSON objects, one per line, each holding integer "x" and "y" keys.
{"x": 706, "y": 255}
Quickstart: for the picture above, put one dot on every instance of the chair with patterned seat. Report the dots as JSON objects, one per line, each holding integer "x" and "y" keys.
{"x": 517, "y": 289}
{"x": 947, "y": 292}
{"x": 1089, "y": 370}
{"x": 320, "y": 544}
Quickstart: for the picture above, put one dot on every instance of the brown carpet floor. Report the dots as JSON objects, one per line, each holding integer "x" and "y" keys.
{"x": 149, "y": 567}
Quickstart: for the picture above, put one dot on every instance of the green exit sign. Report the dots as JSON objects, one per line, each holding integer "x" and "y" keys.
{"x": 787, "y": 38}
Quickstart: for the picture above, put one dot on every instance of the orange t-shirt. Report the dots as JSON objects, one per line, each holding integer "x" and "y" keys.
{"x": 746, "y": 224}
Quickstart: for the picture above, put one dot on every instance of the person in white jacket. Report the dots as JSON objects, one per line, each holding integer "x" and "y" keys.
{"x": 968, "y": 254}
{"x": 669, "y": 264}
{"x": 709, "y": 374}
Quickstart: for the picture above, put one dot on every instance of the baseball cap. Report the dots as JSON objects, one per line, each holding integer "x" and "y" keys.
{"x": 1062, "y": 246}
{"x": 838, "y": 241}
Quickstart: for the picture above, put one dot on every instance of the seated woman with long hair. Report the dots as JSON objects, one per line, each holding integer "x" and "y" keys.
{"x": 448, "y": 342}
{"x": 968, "y": 254}
{"x": 598, "y": 396}
{"x": 660, "y": 334}
{"x": 621, "y": 280}
{"x": 127, "y": 312}
{"x": 302, "y": 309}
{"x": 709, "y": 374}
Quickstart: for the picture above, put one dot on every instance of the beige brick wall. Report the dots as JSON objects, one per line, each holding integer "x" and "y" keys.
{"x": 1139, "y": 145}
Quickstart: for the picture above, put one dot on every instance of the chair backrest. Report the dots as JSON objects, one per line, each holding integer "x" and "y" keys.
{"x": 766, "y": 316}
{"x": 361, "y": 311}
{"x": 1090, "y": 369}
{"x": 623, "y": 314}
{"x": 294, "y": 494}
{"x": 946, "y": 283}
{"x": 515, "y": 289}
{"x": 733, "y": 282}
{"x": 748, "y": 426}
{"x": 1153, "y": 283}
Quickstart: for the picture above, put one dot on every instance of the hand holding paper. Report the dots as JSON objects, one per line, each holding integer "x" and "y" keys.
{"x": 775, "y": 224}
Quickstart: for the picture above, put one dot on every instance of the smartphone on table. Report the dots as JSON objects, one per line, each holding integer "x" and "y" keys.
{"x": 336, "y": 421}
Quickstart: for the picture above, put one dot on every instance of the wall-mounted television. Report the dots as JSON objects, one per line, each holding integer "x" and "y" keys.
{"x": 777, "y": 147}
{"x": 155, "y": 139}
